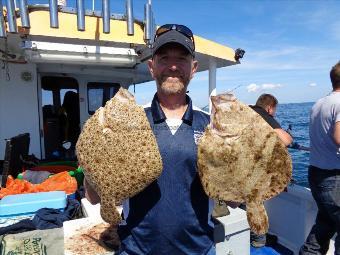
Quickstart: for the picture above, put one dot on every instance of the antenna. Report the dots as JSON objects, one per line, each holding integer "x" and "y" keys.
{"x": 11, "y": 19}
{"x": 2, "y": 22}
{"x": 129, "y": 17}
{"x": 25, "y": 22}
{"x": 147, "y": 22}
{"x": 54, "y": 14}
{"x": 106, "y": 16}
{"x": 80, "y": 15}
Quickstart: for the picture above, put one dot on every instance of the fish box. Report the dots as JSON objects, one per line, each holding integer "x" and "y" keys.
{"x": 232, "y": 233}
{"x": 12, "y": 206}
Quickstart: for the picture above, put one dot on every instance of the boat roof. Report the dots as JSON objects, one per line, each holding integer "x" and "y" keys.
{"x": 207, "y": 51}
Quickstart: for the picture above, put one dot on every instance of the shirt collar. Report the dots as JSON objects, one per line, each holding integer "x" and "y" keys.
{"x": 159, "y": 116}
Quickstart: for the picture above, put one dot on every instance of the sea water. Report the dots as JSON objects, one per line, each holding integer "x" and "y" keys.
{"x": 297, "y": 115}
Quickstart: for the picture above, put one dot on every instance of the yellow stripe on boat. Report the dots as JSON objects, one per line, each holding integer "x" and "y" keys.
{"x": 40, "y": 26}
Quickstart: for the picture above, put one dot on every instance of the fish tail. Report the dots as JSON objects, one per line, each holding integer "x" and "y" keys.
{"x": 109, "y": 212}
{"x": 257, "y": 218}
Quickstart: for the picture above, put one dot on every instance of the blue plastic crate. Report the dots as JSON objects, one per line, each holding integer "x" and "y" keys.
{"x": 26, "y": 204}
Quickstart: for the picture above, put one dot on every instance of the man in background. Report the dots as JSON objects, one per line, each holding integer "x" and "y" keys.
{"x": 324, "y": 169}
{"x": 266, "y": 107}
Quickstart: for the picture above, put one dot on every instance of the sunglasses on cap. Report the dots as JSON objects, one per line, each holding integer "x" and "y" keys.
{"x": 179, "y": 28}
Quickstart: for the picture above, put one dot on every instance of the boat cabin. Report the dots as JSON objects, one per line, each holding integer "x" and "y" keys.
{"x": 50, "y": 55}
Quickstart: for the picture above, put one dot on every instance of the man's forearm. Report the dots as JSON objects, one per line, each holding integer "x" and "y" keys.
{"x": 284, "y": 136}
{"x": 337, "y": 133}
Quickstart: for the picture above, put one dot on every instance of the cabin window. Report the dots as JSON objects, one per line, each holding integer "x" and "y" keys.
{"x": 47, "y": 97}
{"x": 99, "y": 93}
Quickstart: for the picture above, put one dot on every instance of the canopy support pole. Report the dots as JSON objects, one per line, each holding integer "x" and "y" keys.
{"x": 212, "y": 80}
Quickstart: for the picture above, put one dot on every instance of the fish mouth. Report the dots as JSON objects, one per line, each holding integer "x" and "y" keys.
{"x": 223, "y": 100}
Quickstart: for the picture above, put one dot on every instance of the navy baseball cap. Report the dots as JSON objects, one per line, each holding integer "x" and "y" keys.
{"x": 173, "y": 33}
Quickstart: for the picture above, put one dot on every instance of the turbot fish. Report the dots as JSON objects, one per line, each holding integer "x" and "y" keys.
{"x": 118, "y": 152}
{"x": 241, "y": 159}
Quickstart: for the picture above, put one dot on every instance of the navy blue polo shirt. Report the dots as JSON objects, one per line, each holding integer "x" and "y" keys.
{"x": 173, "y": 214}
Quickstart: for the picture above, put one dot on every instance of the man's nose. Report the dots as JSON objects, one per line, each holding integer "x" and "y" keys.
{"x": 173, "y": 67}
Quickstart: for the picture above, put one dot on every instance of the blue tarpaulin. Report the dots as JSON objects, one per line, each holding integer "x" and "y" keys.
{"x": 263, "y": 251}
{"x": 276, "y": 249}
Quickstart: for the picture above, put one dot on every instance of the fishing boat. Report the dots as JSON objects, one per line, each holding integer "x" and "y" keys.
{"x": 48, "y": 50}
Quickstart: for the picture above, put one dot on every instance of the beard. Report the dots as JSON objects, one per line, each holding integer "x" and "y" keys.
{"x": 170, "y": 86}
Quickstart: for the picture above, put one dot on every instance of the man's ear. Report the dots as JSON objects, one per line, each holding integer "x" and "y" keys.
{"x": 194, "y": 68}
{"x": 150, "y": 66}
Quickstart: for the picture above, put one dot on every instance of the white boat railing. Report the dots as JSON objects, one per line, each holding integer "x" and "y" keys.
{"x": 54, "y": 7}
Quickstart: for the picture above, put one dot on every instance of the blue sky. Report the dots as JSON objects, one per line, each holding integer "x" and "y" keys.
{"x": 290, "y": 45}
